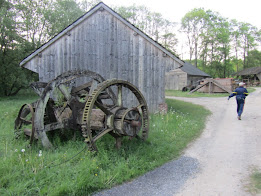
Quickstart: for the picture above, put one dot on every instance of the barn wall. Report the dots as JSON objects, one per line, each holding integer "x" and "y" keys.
{"x": 194, "y": 80}
{"x": 225, "y": 82}
{"x": 176, "y": 79}
{"x": 105, "y": 45}
{"x": 259, "y": 76}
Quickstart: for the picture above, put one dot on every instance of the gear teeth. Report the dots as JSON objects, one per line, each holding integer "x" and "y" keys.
{"x": 86, "y": 129}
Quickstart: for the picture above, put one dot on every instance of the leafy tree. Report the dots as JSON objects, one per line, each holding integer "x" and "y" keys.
{"x": 152, "y": 23}
{"x": 25, "y": 26}
{"x": 254, "y": 58}
{"x": 61, "y": 14}
{"x": 192, "y": 25}
{"x": 32, "y": 23}
{"x": 12, "y": 77}
{"x": 235, "y": 41}
{"x": 218, "y": 43}
{"x": 248, "y": 36}
{"x": 86, "y": 5}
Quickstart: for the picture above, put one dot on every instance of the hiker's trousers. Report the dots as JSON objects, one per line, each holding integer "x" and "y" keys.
{"x": 240, "y": 106}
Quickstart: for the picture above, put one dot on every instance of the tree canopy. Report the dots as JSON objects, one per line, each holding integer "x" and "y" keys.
{"x": 217, "y": 45}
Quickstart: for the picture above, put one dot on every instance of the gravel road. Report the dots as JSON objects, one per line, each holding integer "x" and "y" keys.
{"x": 217, "y": 163}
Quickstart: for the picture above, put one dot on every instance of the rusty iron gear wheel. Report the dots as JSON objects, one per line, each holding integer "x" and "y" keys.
{"x": 24, "y": 122}
{"x": 138, "y": 113}
{"x": 41, "y": 127}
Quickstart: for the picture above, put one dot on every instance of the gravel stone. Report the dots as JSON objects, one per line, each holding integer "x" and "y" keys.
{"x": 165, "y": 180}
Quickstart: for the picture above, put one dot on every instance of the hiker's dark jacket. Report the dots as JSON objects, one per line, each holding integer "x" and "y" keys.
{"x": 240, "y": 93}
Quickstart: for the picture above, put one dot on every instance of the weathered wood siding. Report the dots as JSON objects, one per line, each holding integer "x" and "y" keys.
{"x": 225, "y": 82}
{"x": 104, "y": 44}
{"x": 194, "y": 80}
{"x": 259, "y": 76}
{"x": 176, "y": 79}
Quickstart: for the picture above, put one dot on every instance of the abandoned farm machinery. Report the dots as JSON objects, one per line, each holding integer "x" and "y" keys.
{"x": 84, "y": 101}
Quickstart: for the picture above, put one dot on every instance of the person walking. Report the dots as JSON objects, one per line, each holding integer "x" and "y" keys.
{"x": 240, "y": 94}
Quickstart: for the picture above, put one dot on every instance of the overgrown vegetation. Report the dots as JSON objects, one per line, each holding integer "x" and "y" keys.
{"x": 35, "y": 171}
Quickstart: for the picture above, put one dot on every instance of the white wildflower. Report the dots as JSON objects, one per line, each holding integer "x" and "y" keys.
{"x": 23, "y": 150}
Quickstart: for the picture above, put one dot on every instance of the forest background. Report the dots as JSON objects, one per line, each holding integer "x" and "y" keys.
{"x": 217, "y": 45}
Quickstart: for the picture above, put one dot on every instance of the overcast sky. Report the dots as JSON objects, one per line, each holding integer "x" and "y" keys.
{"x": 241, "y": 10}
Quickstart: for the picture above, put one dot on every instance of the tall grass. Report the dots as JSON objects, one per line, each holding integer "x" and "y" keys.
{"x": 36, "y": 171}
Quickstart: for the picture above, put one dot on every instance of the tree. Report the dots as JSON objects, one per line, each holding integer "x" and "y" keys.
{"x": 248, "y": 37}
{"x": 86, "y": 5}
{"x": 192, "y": 25}
{"x": 12, "y": 77}
{"x": 152, "y": 23}
{"x": 254, "y": 58}
{"x": 61, "y": 14}
{"x": 218, "y": 43}
{"x": 32, "y": 22}
{"x": 168, "y": 37}
{"x": 23, "y": 30}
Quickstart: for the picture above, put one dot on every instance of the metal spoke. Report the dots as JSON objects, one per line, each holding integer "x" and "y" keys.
{"x": 65, "y": 91}
{"x": 119, "y": 97}
{"x": 102, "y": 133}
{"x": 104, "y": 109}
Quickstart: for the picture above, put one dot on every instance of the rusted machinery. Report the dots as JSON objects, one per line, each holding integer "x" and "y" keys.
{"x": 95, "y": 106}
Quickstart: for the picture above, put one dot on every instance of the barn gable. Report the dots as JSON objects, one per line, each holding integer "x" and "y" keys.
{"x": 99, "y": 7}
{"x": 103, "y": 42}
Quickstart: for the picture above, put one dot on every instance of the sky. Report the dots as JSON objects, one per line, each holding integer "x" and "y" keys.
{"x": 248, "y": 11}
{"x": 243, "y": 11}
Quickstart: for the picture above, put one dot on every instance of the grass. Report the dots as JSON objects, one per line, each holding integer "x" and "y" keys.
{"x": 179, "y": 93}
{"x": 36, "y": 171}
{"x": 254, "y": 187}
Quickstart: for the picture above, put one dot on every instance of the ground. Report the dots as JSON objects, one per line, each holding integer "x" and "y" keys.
{"x": 217, "y": 163}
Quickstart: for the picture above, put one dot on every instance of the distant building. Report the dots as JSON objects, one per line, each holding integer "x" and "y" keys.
{"x": 250, "y": 75}
{"x": 185, "y": 76}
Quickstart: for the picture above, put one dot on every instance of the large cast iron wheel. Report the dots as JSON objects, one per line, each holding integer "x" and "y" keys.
{"x": 120, "y": 120}
{"x": 24, "y": 123}
{"x": 45, "y": 105}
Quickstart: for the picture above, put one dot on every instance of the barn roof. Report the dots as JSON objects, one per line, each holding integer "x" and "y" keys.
{"x": 249, "y": 71}
{"x": 100, "y": 6}
{"x": 192, "y": 70}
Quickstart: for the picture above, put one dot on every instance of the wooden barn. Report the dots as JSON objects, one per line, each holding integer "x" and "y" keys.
{"x": 185, "y": 76}
{"x": 104, "y": 42}
{"x": 252, "y": 76}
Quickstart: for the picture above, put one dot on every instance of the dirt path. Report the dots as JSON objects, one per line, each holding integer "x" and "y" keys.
{"x": 216, "y": 164}
{"x": 227, "y": 149}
